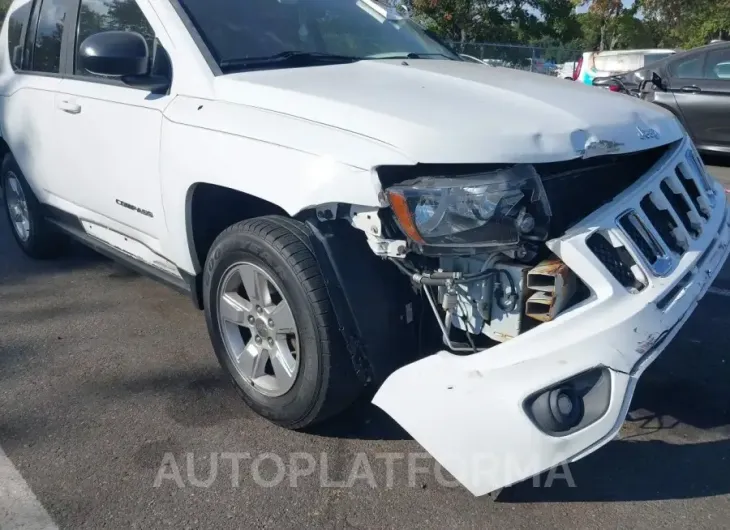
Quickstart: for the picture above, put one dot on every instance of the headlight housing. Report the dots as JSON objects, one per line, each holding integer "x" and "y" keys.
{"x": 494, "y": 209}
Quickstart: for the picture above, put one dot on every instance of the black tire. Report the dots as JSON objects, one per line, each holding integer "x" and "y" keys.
{"x": 326, "y": 382}
{"x": 44, "y": 242}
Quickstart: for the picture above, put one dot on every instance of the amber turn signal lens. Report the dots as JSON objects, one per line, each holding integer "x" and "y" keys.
{"x": 403, "y": 214}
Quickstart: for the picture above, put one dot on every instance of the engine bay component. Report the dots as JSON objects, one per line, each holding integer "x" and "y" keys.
{"x": 490, "y": 295}
{"x": 491, "y": 304}
{"x": 554, "y": 285}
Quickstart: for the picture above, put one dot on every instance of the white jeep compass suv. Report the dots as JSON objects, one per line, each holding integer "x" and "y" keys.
{"x": 498, "y": 255}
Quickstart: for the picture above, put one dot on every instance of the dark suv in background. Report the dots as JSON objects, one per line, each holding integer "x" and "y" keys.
{"x": 695, "y": 86}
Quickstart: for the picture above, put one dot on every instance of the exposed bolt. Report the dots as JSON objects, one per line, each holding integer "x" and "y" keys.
{"x": 401, "y": 250}
{"x": 271, "y": 342}
{"x": 259, "y": 309}
{"x": 258, "y": 339}
{"x": 251, "y": 319}
{"x": 271, "y": 323}
{"x": 525, "y": 222}
{"x": 374, "y": 230}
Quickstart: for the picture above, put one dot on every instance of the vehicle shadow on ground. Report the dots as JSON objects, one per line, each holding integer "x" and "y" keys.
{"x": 634, "y": 471}
{"x": 684, "y": 390}
{"x": 362, "y": 421}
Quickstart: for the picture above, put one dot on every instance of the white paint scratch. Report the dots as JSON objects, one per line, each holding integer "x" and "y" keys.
{"x": 718, "y": 291}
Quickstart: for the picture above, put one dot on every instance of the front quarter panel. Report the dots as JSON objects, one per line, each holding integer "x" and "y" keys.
{"x": 288, "y": 162}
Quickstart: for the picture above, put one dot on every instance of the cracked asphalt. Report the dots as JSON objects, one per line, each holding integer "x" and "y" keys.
{"x": 103, "y": 373}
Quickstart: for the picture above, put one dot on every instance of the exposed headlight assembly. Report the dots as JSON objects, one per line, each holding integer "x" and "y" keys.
{"x": 496, "y": 209}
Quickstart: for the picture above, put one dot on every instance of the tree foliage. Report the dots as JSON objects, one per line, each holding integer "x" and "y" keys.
{"x": 550, "y": 24}
{"x": 688, "y": 23}
{"x": 585, "y": 24}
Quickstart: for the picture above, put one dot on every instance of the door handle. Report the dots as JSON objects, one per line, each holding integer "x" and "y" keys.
{"x": 692, "y": 89}
{"x": 69, "y": 106}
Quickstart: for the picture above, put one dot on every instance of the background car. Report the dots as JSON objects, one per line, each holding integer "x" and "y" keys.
{"x": 566, "y": 70}
{"x": 695, "y": 86}
{"x": 607, "y": 63}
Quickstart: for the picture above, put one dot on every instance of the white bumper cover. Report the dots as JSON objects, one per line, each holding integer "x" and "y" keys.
{"x": 468, "y": 411}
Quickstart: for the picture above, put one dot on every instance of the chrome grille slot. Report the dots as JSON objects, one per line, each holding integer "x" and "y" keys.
{"x": 681, "y": 207}
{"x": 650, "y": 248}
{"x": 693, "y": 191}
{"x": 663, "y": 223}
{"x": 638, "y": 234}
{"x": 659, "y": 228}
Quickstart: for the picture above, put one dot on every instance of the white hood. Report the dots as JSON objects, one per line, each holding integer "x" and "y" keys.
{"x": 437, "y": 111}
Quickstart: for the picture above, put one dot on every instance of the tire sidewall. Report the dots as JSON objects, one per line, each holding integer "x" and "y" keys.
{"x": 236, "y": 248}
{"x": 9, "y": 166}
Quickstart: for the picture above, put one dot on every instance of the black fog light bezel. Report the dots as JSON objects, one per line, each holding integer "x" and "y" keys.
{"x": 590, "y": 395}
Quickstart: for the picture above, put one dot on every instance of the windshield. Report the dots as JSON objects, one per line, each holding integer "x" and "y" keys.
{"x": 238, "y": 34}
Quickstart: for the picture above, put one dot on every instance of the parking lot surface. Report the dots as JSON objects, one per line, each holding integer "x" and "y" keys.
{"x": 106, "y": 375}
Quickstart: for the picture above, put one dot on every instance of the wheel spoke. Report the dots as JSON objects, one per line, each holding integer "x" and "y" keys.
{"x": 252, "y": 361}
{"x": 283, "y": 318}
{"x": 14, "y": 186}
{"x": 235, "y": 309}
{"x": 256, "y": 285}
{"x": 262, "y": 352}
{"x": 284, "y": 364}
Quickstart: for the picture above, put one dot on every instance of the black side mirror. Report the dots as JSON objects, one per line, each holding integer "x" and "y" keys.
{"x": 124, "y": 55}
{"x": 657, "y": 81}
{"x": 609, "y": 83}
{"x": 115, "y": 54}
{"x": 17, "y": 58}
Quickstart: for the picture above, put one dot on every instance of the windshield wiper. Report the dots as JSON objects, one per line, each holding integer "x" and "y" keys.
{"x": 289, "y": 58}
{"x": 411, "y": 55}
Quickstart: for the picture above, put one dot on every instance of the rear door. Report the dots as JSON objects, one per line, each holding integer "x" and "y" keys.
{"x": 37, "y": 36}
{"x": 701, "y": 87}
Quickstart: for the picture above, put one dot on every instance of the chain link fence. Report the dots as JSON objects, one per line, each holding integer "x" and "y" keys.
{"x": 530, "y": 58}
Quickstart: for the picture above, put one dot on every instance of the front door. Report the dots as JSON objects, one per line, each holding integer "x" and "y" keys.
{"x": 111, "y": 134}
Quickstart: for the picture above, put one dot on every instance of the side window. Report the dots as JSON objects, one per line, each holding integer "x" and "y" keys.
{"x": 717, "y": 65}
{"x": 118, "y": 15}
{"x": 688, "y": 68}
{"x": 17, "y": 27}
{"x": 49, "y": 34}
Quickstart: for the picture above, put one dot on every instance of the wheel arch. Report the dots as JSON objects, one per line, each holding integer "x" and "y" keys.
{"x": 210, "y": 209}
{"x": 4, "y": 150}
{"x": 373, "y": 303}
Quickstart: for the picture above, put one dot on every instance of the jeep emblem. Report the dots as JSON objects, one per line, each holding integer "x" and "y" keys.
{"x": 648, "y": 134}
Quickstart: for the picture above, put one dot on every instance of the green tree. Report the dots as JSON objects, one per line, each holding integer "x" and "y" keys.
{"x": 508, "y": 21}
{"x": 4, "y": 6}
{"x": 688, "y": 23}
{"x": 616, "y": 24}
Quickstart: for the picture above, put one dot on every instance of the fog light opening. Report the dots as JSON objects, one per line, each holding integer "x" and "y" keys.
{"x": 566, "y": 408}
{"x": 572, "y": 404}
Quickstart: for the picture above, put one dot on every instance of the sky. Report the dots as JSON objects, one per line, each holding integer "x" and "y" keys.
{"x": 627, "y": 3}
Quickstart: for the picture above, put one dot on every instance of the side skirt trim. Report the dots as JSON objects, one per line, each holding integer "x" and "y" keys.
{"x": 71, "y": 225}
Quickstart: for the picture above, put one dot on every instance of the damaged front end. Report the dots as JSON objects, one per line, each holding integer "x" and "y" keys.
{"x": 553, "y": 287}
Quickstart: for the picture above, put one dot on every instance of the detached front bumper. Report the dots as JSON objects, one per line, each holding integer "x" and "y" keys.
{"x": 470, "y": 412}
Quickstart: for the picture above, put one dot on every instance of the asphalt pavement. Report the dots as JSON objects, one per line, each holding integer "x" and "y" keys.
{"x": 105, "y": 376}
